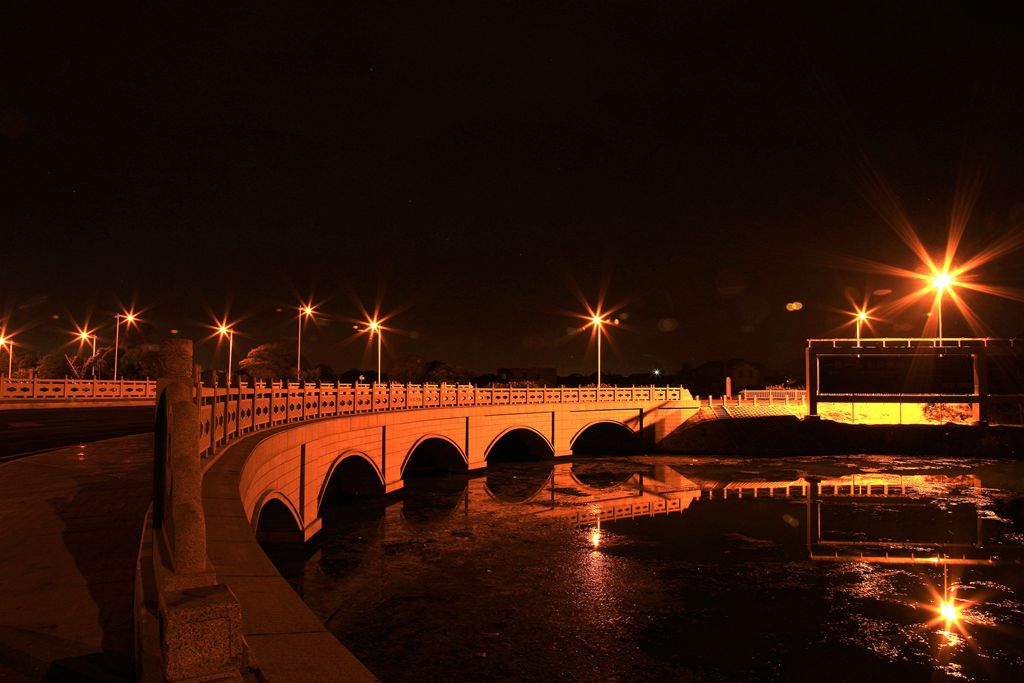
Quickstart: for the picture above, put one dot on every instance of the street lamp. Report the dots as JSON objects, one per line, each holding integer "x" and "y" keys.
{"x": 941, "y": 282}
{"x": 226, "y": 331}
{"x": 85, "y": 336}
{"x": 372, "y": 327}
{"x": 597, "y": 321}
{"x": 129, "y": 319}
{"x": 861, "y": 317}
{"x": 6, "y": 341}
{"x": 305, "y": 311}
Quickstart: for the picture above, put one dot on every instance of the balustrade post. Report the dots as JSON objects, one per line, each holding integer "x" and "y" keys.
{"x": 227, "y": 409}
{"x": 213, "y": 418}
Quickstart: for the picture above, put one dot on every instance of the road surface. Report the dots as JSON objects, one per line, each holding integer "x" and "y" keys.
{"x": 34, "y": 430}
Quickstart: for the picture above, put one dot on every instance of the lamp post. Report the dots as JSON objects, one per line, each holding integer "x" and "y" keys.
{"x": 226, "y": 331}
{"x": 597, "y": 321}
{"x": 85, "y": 336}
{"x": 305, "y": 311}
{"x": 861, "y": 317}
{"x": 375, "y": 327}
{"x": 9, "y": 344}
{"x": 941, "y": 282}
{"x": 129, "y": 319}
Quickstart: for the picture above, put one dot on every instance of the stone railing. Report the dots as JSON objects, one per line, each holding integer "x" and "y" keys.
{"x": 76, "y": 389}
{"x": 230, "y": 412}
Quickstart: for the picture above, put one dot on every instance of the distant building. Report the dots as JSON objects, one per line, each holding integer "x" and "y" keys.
{"x": 541, "y": 377}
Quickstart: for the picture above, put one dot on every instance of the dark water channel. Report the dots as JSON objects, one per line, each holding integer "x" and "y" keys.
{"x": 700, "y": 569}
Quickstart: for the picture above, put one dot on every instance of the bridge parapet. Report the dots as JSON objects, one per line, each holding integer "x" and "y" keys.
{"x": 230, "y": 412}
{"x": 20, "y": 392}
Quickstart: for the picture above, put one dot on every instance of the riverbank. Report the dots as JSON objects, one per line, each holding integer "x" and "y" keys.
{"x": 784, "y": 435}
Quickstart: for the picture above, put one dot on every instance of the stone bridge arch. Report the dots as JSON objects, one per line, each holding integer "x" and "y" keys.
{"x": 611, "y": 427}
{"x": 531, "y": 439}
{"x": 438, "y": 455}
{"x": 276, "y": 518}
{"x": 333, "y": 469}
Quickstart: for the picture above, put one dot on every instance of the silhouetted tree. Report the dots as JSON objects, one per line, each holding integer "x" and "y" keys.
{"x": 140, "y": 362}
{"x": 268, "y": 361}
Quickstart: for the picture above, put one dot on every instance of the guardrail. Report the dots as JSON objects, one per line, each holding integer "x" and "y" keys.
{"x": 75, "y": 389}
{"x": 915, "y": 342}
{"x": 229, "y": 412}
{"x": 773, "y": 395}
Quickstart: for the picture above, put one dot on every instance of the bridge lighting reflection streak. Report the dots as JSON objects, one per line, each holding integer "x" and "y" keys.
{"x": 595, "y": 532}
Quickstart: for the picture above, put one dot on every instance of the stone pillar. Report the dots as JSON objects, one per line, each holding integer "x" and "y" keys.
{"x": 811, "y": 377}
{"x": 980, "y": 409}
{"x": 200, "y": 620}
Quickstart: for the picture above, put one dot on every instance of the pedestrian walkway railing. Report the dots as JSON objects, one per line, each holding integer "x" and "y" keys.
{"x": 773, "y": 395}
{"x": 225, "y": 413}
{"x": 75, "y": 389}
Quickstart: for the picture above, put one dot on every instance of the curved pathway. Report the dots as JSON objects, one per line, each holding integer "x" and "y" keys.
{"x": 70, "y": 523}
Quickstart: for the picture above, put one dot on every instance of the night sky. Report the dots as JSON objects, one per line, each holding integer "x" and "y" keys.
{"x": 477, "y": 163}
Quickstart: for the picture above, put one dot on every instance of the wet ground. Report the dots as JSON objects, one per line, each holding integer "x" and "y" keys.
{"x": 680, "y": 568}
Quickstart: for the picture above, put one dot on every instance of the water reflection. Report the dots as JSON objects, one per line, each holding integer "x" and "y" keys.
{"x": 667, "y": 567}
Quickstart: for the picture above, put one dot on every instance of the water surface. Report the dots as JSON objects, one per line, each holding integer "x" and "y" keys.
{"x": 679, "y": 568}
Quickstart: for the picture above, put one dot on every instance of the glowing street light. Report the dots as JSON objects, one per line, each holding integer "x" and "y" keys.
{"x": 942, "y": 282}
{"x": 597, "y": 321}
{"x": 305, "y": 311}
{"x": 860, "y": 318}
{"x": 84, "y": 336}
{"x": 129, "y": 319}
{"x": 225, "y": 331}
{"x": 374, "y": 327}
{"x": 8, "y": 343}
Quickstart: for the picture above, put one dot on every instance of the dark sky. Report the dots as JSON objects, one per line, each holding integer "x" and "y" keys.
{"x": 705, "y": 160}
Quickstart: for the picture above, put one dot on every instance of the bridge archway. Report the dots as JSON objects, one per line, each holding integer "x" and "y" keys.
{"x": 605, "y": 437}
{"x": 352, "y": 475}
{"x": 519, "y": 443}
{"x": 276, "y": 518}
{"x": 433, "y": 454}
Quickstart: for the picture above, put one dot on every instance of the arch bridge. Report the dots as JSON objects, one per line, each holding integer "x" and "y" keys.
{"x": 380, "y": 435}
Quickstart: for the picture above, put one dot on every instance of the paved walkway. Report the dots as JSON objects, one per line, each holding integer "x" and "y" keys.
{"x": 70, "y": 523}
